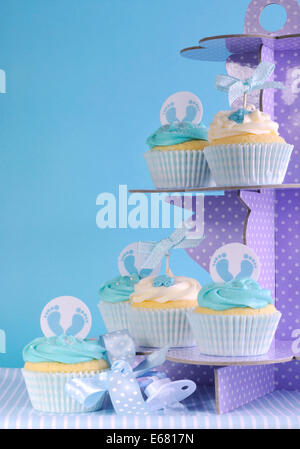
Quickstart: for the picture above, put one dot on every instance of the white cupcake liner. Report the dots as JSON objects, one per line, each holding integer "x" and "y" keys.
{"x": 47, "y": 392}
{"x": 233, "y": 335}
{"x": 114, "y": 315}
{"x": 156, "y": 328}
{"x": 248, "y": 164}
{"x": 178, "y": 169}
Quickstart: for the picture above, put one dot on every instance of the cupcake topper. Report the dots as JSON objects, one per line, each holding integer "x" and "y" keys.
{"x": 237, "y": 88}
{"x": 234, "y": 261}
{"x": 66, "y": 315}
{"x": 181, "y": 107}
{"x": 132, "y": 258}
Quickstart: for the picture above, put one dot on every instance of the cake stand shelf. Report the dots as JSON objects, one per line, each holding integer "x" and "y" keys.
{"x": 219, "y": 189}
{"x": 280, "y": 352}
{"x": 219, "y": 48}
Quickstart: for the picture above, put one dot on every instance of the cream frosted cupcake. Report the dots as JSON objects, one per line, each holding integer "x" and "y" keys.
{"x": 114, "y": 301}
{"x": 157, "y": 310}
{"x": 51, "y": 362}
{"x": 237, "y": 318}
{"x": 245, "y": 148}
{"x": 176, "y": 158}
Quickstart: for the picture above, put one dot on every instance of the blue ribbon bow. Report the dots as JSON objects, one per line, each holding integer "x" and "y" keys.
{"x": 178, "y": 239}
{"x": 236, "y": 87}
{"x": 123, "y": 383}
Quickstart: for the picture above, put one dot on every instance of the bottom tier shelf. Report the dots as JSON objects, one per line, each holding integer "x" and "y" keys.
{"x": 280, "y": 352}
{"x": 279, "y": 409}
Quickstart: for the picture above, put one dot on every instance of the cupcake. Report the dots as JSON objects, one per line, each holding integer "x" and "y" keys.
{"x": 246, "y": 149}
{"x": 51, "y": 362}
{"x": 157, "y": 310}
{"x": 114, "y": 301}
{"x": 237, "y": 318}
{"x": 176, "y": 158}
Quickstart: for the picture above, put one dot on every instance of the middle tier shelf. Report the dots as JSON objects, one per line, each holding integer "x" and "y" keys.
{"x": 218, "y": 188}
{"x": 280, "y": 352}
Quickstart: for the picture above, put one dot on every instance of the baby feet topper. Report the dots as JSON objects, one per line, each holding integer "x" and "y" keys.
{"x": 131, "y": 261}
{"x": 66, "y": 315}
{"x": 181, "y": 107}
{"x": 234, "y": 261}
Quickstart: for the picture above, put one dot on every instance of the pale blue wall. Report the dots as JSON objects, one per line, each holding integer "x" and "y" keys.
{"x": 85, "y": 82}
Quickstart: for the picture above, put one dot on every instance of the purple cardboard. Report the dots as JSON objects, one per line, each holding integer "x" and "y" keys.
{"x": 238, "y": 385}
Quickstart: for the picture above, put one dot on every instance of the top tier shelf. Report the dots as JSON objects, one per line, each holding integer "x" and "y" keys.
{"x": 219, "y": 48}
{"x": 219, "y": 188}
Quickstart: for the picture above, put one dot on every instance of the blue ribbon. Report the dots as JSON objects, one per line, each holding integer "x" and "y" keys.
{"x": 123, "y": 383}
{"x": 236, "y": 88}
{"x": 121, "y": 353}
{"x": 178, "y": 239}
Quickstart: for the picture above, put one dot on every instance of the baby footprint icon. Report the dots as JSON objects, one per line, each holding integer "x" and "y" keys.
{"x": 129, "y": 262}
{"x": 52, "y": 316}
{"x": 221, "y": 263}
{"x": 248, "y": 265}
{"x": 170, "y": 113}
{"x": 191, "y": 111}
{"x": 78, "y": 321}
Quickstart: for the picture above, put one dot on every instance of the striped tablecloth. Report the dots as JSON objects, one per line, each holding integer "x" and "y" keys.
{"x": 280, "y": 409}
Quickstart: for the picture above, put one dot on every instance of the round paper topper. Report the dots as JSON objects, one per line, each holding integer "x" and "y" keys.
{"x": 131, "y": 261}
{"x": 181, "y": 106}
{"x": 66, "y": 315}
{"x": 234, "y": 261}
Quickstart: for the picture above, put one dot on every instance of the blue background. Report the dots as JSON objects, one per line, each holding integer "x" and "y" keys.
{"x": 85, "y": 83}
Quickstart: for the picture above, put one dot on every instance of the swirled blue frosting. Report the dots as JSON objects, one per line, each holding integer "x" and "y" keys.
{"x": 177, "y": 132}
{"x": 63, "y": 349}
{"x": 118, "y": 289}
{"x": 241, "y": 293}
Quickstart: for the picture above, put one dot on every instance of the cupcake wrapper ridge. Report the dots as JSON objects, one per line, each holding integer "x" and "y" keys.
{"x": 156, "y": 328}
{"x": 47, "y": 392}
{"x": 114, "y": 315}
{"x": 179, "y": 169}
{"x": 233, "y": 335}
{"x": 248, "y": 164}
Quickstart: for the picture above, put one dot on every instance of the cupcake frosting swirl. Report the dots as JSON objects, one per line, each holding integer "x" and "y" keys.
{"x": 241, "y": 293}
{"x": 118, "y": 289}
{"x": 183, "y": 288}
{"x": 63, "y": 349}
{"x": 255, "y": 122}
{"x": 177, "y": 132}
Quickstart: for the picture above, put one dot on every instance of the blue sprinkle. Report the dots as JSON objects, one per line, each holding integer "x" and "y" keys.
{"x": 238, "y": 116}
{"x": 163, "y": 281}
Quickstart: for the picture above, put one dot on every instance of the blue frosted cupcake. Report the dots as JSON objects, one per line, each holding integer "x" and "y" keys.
{"x": 114, "y": 301}
{"x": 52, "y": 362}
{"x": 245, "y": 148}
{"x": 237, "y": 318}
{"x": 176, "y": 158}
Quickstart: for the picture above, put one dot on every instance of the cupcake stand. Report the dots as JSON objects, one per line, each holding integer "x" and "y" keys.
{"x": 266, "y": 218}
{"x": 248, "y": 392}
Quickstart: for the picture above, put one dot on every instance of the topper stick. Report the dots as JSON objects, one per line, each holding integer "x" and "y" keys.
{"x": 167, "y": 264}
{"x": 245, "y": 100}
